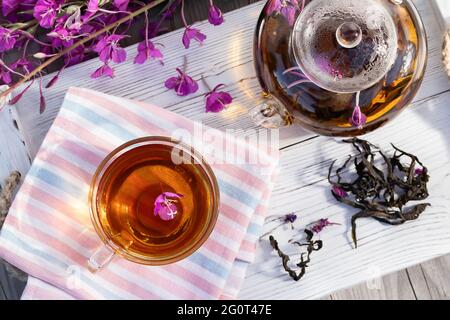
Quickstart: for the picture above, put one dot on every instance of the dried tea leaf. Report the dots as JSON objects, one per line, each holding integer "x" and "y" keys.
{"x": 311, "y": 245}
{"x": 381, "y": 191}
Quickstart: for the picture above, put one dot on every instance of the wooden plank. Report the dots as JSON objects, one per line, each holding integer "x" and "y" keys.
{"x": 390, "y": 287}
{"x": 303, "y": 188}
{"x": 13, "y": 156}
{"x": 419, "y": 282}
{"x": 436, "y": 276}
{"x": 226, "y": 57}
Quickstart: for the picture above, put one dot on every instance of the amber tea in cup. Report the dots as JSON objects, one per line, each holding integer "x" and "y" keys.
{"x": 153, "y": 201}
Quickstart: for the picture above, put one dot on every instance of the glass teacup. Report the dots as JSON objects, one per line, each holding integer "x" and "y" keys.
{"x": 153, "y": 201}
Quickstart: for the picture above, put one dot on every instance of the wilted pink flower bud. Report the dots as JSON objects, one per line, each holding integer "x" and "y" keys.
{"x": 358, "y": 118}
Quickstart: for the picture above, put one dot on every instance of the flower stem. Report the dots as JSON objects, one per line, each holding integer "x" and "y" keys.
{"x": 183, "y": 17}
{"x": 25, "y": 25}
{"x": 206, "y": 84}
{"x": 9, "y": 69}
{"x": 146, "y": 29}
{"x": 30, "y": 36}
{"x": 79, "y": 43}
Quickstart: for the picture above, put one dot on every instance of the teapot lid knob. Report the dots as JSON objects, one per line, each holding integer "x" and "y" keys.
{"x": 349, "y": 35}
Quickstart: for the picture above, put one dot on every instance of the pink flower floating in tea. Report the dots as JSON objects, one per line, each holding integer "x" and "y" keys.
{"x": 165, "y": 206}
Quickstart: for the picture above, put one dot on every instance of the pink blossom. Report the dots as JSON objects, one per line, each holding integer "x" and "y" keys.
{"x": 192, "y": 34}
{"x": 92, "y": 8}
{"x": 5, "y": 75}
{"x": 147, "y": 50}
{"x": 108, "y": 48}
{"x": 75, "y": 56}
{"x": 216, "y": 101}
{"x": 8, "y": 39}
{"x": 165, "y": 206}
{"x": 122, "y": 5}
{"x": 22, "y": 65}
{"x": 215, "y": 16}
{"x": 9, "y": 6}
{"x": 104, "y": 70}
{"x": 45, "y": 11}
{"x": 182, "y": 84}
{"x": 290, "y": 217}
{"x": 63, "y": 36}
{"x": 321, "y": 224}
{"x": 358, "y": 118}
{"x": 339, "y": 192}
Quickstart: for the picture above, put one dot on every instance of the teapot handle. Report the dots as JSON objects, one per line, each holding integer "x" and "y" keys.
{"x": 271, "y": 113}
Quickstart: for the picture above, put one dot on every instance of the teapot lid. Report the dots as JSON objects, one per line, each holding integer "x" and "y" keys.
{"x": 345, "y": 46}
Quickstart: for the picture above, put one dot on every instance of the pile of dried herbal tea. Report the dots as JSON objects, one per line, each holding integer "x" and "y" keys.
{"x": 297, "y": 270}
{"x": 381, "y": 187}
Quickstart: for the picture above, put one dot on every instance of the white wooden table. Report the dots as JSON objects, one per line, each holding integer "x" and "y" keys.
{"x": 226, "y": 57}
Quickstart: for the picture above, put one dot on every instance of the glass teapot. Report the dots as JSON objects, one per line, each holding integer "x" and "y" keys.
{"x": 337, "y": 67}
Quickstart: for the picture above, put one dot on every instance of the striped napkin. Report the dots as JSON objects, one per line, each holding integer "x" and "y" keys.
{"x": 49, "y": 235}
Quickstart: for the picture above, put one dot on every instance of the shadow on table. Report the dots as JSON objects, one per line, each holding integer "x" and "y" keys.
{"x": 12, "y": 281}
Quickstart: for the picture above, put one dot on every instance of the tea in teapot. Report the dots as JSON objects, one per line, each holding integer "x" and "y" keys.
{"x": 337, "y": 67}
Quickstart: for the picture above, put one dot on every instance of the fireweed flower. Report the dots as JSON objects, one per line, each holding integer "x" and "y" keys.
{"x": 64, "y": 34}
{"x": 92, "y": 8}
{"x": 104, "y": 70}
{"x": 5, "y": 75}
{"x": 321, "y": 224}
{"x": 75, "y": 56}
{"x": 215, "y": 16}
{"x": 146, "y": 50}
{"x": 189, "y": 32}
{"x": 45, "y": 11}
{"x": 108, "y": 49}
{"x": 122, "y": 5}
{"x": 182, "y": 84}
{"x": 290, "y": 217}
{"x": 192, "y": 34}
{"x": 9, "y": 6}
{"x": 165, "y": 206}
{"x": 358, "y": 118}
{"x": 216, "y": 101}
{"x": 22, "y": 65}
{"x": 339, "y": 192}
{"x": 8, "y": 39}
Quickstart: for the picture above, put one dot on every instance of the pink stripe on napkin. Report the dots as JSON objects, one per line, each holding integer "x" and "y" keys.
{"x": 48, "y": 232}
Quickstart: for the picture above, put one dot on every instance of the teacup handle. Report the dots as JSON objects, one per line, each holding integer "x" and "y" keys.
{"x": 271, "y": 113}
{"x": 100, "y": 258}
